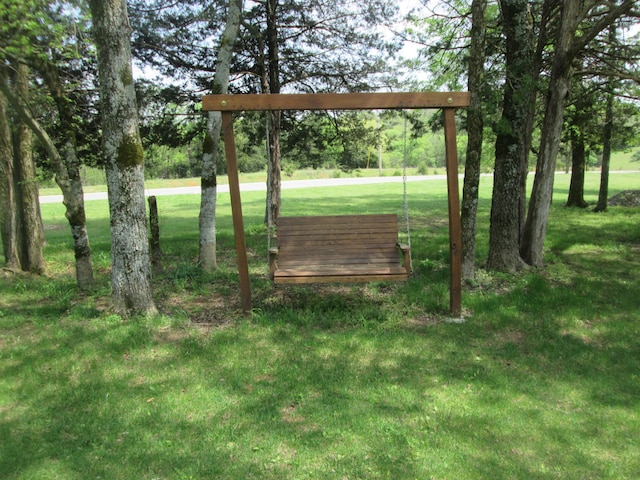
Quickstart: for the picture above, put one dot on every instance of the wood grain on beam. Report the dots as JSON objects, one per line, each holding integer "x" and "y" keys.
{"x": 335, "y": 101}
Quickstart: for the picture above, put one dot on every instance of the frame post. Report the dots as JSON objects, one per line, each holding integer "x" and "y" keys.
{"x": 236, "y": 210}
{"x": 455, "y": 227}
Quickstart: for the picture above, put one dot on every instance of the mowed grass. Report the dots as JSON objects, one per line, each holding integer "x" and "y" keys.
{"x": 541, "y": 381}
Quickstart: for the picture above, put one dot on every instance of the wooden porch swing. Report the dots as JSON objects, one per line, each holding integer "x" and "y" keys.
{"x": 341, "y": 248}
{"x": 338, "y": 249}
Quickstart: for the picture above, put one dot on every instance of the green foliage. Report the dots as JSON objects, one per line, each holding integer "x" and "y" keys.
{"x": 179, "y": 162}
{"x": 52, "y": 39}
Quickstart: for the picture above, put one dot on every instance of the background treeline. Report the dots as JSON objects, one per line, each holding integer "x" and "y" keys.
{"x": 177, "y": 63}
{"x": 357, "y": 140}
{"x": 334, "y": 140}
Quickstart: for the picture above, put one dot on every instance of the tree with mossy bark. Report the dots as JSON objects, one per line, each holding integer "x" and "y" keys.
{"x": 124, "y": 161}
{"x": 475, "y": 125}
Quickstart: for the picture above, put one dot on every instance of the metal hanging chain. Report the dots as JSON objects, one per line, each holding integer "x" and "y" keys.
{"x": 405, "y": 197}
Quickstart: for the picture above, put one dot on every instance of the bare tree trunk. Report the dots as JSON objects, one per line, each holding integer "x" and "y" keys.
{"x": 32, "y": 238}
{"x": 209, "y": 182}
{"x": 67, "y": 169}
{"x": 475, "y": 122}
{"x": 549, "y": 8}
{"x": 154, "y": 224}
{"x": 209, "y": 192}
{"x": 274, "y": 197}
{"x": 8, "y": 208}
{"x": 504, "y": 231}
{"x": 561, "y": 72}
{"x": 578, "y": 164}
{"x": 70, "y": 183}
{"x": 124, "y": 159}
{"x": 603, "y": 193}
{"x": 275, "y": 168}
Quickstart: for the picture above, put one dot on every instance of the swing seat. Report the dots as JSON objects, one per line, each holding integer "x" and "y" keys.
{"x": 338, "y": 249}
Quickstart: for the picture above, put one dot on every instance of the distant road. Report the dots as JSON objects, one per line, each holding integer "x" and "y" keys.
{"x": 259, "y": 186}
{"x": 286, "y": 185}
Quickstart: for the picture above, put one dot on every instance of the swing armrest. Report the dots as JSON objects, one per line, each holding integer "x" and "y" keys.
{"x": 406, "y": 256}
{"x": 273, "y": 257}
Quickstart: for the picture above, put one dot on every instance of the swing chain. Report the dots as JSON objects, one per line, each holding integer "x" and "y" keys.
{"x": 405, "y": 197}
{"x": 270, "y": 225}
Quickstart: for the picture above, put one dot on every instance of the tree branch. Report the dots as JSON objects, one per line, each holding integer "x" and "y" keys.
{"x": 24, "y": 113}
{"x": 609, "y": 73}
{"x": 580, "y": 42}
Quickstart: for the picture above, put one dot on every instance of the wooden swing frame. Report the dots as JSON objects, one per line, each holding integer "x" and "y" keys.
{"x": 447, "y": 101}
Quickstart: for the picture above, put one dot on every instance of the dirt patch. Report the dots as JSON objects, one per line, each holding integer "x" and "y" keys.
{"x": 213, "y": 310}
{"x": 53, "y": 226}
{"x": 171, "y": 336}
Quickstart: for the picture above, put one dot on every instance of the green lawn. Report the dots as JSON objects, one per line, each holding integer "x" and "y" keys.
{"x": 542, "y": 381}
{"x": 620, "y": 161}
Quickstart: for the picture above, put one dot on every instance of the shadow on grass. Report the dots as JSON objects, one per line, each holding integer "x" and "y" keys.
{"x": 541, "y": 381}
{"x": 330, "y": 385}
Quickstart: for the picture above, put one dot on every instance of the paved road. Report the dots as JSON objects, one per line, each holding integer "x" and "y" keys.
{"x": 259, "y": 186}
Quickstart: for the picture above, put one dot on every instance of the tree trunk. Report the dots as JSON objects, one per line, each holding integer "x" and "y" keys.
{"x": 578, "y": 164}
{"x": 603, "y": 193}
{"x": 475, "y": 125}
{"x": 32, "y": 232}
{"x": 209, "y": 192}
{"x": 274, "y": 174}
{"x": 67, "y": 172}
{"x": 504, "y": 231}
{"x": 209, "y": 183}
{"x": 154, "y": 226}
{"x": 561, "y": 72}
{"x": 124, "y": 160}
{"x": 548, "y": 11}
{"x": 8, "y": 208}
{"x": 68, "y": 179}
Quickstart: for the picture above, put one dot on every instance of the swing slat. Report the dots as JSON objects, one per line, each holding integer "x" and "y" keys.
{"x": 344, "y": 248}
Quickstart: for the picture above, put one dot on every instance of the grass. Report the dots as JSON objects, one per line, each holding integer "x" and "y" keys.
{"x": 620, "y": 161}
{"x": 369, "y": 382}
